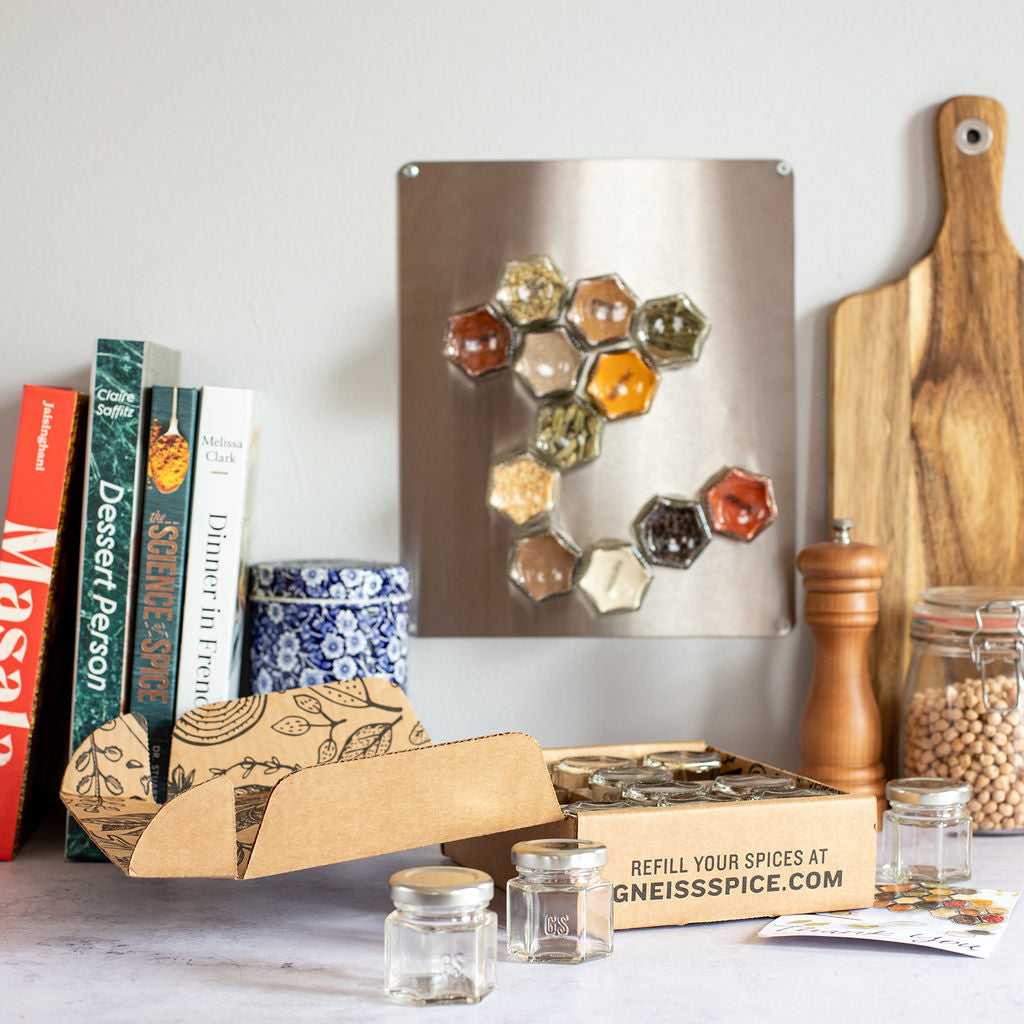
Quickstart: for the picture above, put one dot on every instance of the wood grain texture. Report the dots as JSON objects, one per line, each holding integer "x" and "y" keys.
{"x": 927, "y": 402}
{"x": 841, "y": 729}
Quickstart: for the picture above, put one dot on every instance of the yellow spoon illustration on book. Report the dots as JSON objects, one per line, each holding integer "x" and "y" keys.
{"x": 168, "y": 454}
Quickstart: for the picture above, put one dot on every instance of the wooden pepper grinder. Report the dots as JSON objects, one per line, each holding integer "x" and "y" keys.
{"x": 841, "y": 729}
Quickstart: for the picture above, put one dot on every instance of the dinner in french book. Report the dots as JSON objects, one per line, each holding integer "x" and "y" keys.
{"x": 213, "y": 614}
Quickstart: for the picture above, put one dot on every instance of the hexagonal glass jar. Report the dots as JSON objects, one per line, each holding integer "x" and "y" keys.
{"x": 622, "y": 384}
{"x": 614, "y": 577}
{"x": 672, "y": 329}
{"x": 543, "y": 565}
{"x": 477, "y": 341}
{"x": 522, "y": 488}
{"x": 441, "y": 940}
{"x": 567, "y": 433}
{"x": 531, "y": 290}
{"x": 740, "y": 504}
{"x": 548, "y": 362}
{"x": 672, "y": 531}
{"x": 601, "y": 309}
{"x": 559, "y": 906}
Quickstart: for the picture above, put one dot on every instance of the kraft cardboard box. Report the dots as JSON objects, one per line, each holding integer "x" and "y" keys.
{"x": 713, "y": 862}
{"x": 283, "y": 781}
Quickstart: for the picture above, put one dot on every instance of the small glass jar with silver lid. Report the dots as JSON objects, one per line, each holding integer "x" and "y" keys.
{"x": 441, "y": 940}
{"x": 926, "y": 833}
{"x": 559, "y": 906}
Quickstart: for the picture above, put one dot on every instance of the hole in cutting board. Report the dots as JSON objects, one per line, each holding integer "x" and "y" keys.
{"x": 973, "y": 136}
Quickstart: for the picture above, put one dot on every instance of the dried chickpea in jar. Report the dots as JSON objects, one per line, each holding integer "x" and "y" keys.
{"x": 962, "y": 712}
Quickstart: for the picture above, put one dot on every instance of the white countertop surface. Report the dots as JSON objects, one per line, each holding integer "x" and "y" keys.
{"x": 81, "y": 941}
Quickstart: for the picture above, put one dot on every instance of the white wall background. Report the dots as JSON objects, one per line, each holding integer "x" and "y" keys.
{"x": 220, "y": 176}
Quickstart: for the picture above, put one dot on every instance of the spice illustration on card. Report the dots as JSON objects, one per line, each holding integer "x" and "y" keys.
{"x": 954, "y": 918}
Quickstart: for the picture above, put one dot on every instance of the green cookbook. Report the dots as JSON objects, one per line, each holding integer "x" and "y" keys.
{"x": 123, "y": 373}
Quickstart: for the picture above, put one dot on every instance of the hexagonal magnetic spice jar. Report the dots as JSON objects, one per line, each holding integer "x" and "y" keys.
{"x": 548, "y": 362}
{"x": 567, "y": 433}
{"x": 477, "y": 341}
{"x": 531, "y": 290}
{"x": 601, "y": 308}
{"x": 614, "y": 577}
{"x": 522, "y": 488}
{"x": 622, "y": 384}
{"x": 672, "y": 531}
{"x": 543, "y": 565}
{"x": 672, "y": 329}
{"x": 741, "y": 504}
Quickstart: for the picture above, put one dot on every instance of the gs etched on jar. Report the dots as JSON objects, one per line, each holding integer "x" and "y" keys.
{"x": 441, "y": 941}
{"x": 559, "y": 906}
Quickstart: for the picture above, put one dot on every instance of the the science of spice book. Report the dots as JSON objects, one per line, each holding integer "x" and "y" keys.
{"x": 956, "y": 918}
{"x": 40, "y": 540}
{"x": 214, "y": 605}
{"x": 123, "y": 373}
{"x": 162, "y": 548}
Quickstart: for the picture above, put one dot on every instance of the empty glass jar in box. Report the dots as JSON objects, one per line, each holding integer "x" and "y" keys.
{"x": 962, "y": 708}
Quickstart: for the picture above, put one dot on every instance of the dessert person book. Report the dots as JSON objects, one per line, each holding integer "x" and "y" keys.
{"x": 40, "y": 538}
{"x": 162, "y": 548}
{"x": 123, "y": 373}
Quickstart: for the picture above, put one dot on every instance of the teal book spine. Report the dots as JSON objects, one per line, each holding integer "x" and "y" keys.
{"x": 123, "y": 373}
{"x": 161, "y": 578}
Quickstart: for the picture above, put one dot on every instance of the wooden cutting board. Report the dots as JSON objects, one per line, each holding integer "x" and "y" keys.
{"x": 927, "y": 401}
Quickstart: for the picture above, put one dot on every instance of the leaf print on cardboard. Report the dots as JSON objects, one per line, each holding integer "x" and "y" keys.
{"x": 290, "y": 730}
{"x": 369, "y": 741}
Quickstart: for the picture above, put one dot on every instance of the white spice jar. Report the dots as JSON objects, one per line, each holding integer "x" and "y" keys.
{"x": 963, "y": 707}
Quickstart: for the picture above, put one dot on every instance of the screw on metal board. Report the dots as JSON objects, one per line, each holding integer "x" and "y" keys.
{"x": 783, "y": 168}
{"x": 410, "y": 171}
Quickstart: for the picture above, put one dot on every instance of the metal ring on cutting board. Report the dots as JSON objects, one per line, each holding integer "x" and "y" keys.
{"x": 973, "y": 136}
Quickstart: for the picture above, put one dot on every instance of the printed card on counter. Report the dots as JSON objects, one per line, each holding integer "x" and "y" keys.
{"x": 951, "y": 917}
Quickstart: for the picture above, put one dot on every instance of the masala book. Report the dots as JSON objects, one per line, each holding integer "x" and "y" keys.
{"x": 214, "y": 608}
{"x": 162, "y": 548}
{"x": 123, "y": 373}
{"x": 40, "y": 539}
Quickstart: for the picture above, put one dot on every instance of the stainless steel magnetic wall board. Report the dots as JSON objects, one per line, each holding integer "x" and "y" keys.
{"x": 719, "y": 231}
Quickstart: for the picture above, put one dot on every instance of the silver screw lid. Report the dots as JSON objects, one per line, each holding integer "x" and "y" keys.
{"x": 441, "y": 886}
{"x": 559, "y": 854}
{"x": 928, "y": 792}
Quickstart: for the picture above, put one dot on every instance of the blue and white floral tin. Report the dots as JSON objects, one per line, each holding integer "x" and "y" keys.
{"x": 321, "y": 622}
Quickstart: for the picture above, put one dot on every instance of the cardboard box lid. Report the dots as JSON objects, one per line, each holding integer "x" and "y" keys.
{"x": 298, "y": 779}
